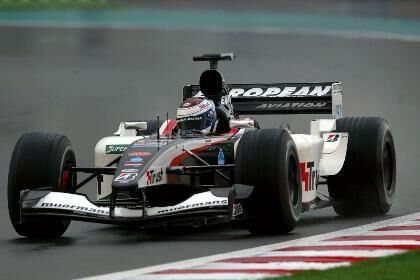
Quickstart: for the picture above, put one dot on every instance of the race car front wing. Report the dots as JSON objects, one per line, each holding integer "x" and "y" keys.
{"x": 78, "y": 207}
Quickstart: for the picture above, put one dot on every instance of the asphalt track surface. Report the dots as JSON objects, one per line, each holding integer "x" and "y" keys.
{"x": 83, "y": 82}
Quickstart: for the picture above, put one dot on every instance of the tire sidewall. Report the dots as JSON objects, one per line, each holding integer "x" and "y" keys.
{"x": 386, "y": 198}
{"x": 293, "y": 212}
{"x": 359, "y": 188}
{"x": 262, "y": 161}
{"x": 54, "y": 152}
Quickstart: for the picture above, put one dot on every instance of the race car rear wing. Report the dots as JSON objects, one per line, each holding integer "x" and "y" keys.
{"x": 284, "y": 98}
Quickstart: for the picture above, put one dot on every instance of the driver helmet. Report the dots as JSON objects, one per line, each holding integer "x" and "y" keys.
{"x": 196, "y": 115}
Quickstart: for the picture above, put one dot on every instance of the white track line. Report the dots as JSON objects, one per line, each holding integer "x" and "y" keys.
{"x": 206, "y": 276}
{"x": 144, "y": 273}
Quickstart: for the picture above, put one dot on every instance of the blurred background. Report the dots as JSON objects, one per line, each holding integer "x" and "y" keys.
{"x": 79, "y": 67}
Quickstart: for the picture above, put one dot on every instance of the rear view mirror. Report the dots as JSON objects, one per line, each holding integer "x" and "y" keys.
{"x": 135, "y": 125}
{"x": 242, "y": 123}
{"x": 130, "y": 128}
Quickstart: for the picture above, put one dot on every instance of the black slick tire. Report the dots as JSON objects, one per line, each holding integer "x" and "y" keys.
{"x": 39, "y": 160}
{"x": 366, "y": 183}
{"x": 268, "y": 160}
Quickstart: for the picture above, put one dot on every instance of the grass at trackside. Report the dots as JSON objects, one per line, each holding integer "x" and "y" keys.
{"x": 54, "y": 4}
{"x": 399, "y": 267}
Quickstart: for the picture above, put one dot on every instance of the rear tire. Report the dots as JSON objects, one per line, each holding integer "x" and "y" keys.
{"x": 366, "y": 183}
{"x": 39, "y": 160}
{"x": 268, "y": 160}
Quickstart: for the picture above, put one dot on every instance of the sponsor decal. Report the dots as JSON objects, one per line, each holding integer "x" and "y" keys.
{"x": 130, "y": 170}
{"x": 139, "y": 154}
{"x": 280, "y": 92}
{"x": 75, "y": 208}
{"x": 115, "y": 149}
{"x": 291, "y": 105}
{"x": 136, "y": 159}
{"x": 195, "y": 205}
{"x": 134, "y": 164}
{"x": 309, "y": 175}
{"x": 237, "y": 209}
{"x": 338, "y": 111}
{"x": 332, "y": 137}
{"x": 193, "y": 118}
{"x": 126, "y": 177}
{"x": 154, "y": 176}
{"x": 286, "y": 91}
{"x": 151, "y": 143}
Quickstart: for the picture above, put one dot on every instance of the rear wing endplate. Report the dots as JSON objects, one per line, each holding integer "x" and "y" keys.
{"x": 283, "y": 98}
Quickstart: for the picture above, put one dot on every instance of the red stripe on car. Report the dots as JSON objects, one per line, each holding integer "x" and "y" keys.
{"x": 170, "y": 125}
{"x": 177, "y": 160}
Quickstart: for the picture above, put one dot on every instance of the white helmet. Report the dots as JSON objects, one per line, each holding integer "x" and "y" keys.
{"x": 196, "y": 115}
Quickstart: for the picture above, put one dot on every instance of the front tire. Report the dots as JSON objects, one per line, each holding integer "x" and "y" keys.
{"x": 39, "y": 160}
{"x": 366, "y": 183}
{"x": 268, "y": 160}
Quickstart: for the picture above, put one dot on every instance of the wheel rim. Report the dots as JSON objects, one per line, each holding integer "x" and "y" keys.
{"x": 388, "y": 164}
{"x": 293, "y": 182}
{"x": 65, "y": 180}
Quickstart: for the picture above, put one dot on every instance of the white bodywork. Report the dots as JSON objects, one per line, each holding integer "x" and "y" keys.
{"x": 104, "y": 157}
{"x": 80, "y": 204}
{"x": 309, "y": 150}
{"x": 335, "y": 146}
{"x": 164, "y": 160}
{"x": 130, "y": 128}
{"x": 321, "y": 153}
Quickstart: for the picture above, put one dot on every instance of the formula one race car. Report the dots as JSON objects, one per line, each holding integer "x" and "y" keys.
{"x": 153, "y": 173}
